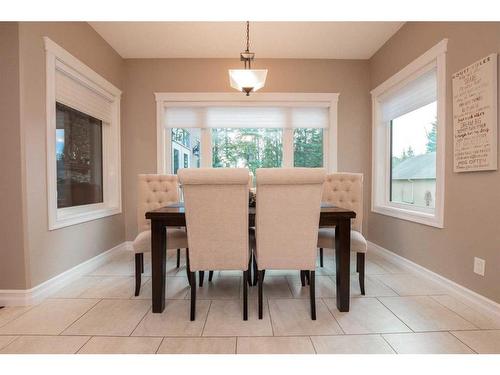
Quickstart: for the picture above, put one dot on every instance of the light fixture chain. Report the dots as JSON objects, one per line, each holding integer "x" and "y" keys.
{"x": 248, "y": 36}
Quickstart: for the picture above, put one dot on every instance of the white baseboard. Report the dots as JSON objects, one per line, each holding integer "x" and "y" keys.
{"x": 38, "y": 293}
{"x": 468, "y": 296}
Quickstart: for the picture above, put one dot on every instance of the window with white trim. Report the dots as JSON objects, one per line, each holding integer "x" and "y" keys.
{"x": 408, "y": 141}
{"x": 260, "y": 134}
{"x": 83, "y": 141}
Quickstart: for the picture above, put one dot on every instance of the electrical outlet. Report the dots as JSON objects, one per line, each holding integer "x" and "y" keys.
{"x": 479, "y": 265}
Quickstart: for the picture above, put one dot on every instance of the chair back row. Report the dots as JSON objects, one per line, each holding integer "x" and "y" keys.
{"x": 288, "y": 203}
{"x": 155, "y": 191}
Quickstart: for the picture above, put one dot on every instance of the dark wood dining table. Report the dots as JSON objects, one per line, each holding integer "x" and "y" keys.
{"x": 174, "y": 216}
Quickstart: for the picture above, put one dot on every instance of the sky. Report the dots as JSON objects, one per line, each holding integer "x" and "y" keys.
{"x": 409, "y": 129}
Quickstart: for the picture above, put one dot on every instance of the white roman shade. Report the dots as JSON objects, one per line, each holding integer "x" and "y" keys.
{"x": 247, "y": 117}
{"x": 184, "y": 117}
{"x": 76, "y": 94}
{"x": 413, "y": 95}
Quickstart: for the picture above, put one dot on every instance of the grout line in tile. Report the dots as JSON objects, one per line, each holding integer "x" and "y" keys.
{"x": 17, "y": 317}
{"x": 458, "y": 338}
{"x": 455, "y": 312}
{"x": 85, "y": 343}
{"x": 270, "y": 317}
{"x": 140, "y": 320}
{"x": 9, "y": 344}
{"x": 81, "y": 316}
{"x": 334, "y": 318}
{"x": 159, "y": 346}
{"x": 388, "y": 343}
{"x": 393, "y": 313}
{"x": 206, "y": 319}
{"x": 312, "y": 343}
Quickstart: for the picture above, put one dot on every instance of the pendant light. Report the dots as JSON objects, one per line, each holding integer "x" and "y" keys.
{"x": 248, "y": 79}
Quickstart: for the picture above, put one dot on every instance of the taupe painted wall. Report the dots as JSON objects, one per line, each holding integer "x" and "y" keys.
{"x": 53, "y": 252}
{"x": 472, "y": 200}
{"x": 12, "y": 270}
{"x": 143, "y": 77}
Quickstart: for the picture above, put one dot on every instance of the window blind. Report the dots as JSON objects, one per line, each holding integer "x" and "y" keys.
{"x": 247, "y": 117}
{"x": 415, "y": 94}
{"x": 77, "y": 95}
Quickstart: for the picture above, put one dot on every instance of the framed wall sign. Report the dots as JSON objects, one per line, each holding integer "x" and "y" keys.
{"x": 475, "y": 116}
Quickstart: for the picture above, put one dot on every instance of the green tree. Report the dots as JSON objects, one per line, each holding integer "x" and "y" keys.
{"x": 308, "y": 148}
{"x": 431, "y": 138}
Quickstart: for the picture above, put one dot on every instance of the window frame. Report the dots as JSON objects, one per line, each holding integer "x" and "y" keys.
{"x": 163, "y": 136}
{"x": 59, "y": 60}
{"x": 381, "y": 141}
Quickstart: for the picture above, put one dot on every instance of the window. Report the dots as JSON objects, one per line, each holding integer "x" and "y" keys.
{"x": 408, "y": 141}
{"x": 255, "y": 134}
{"x": 83, "y": 141}
{"x": 79, "y": 158}
{"x": 248, "y": 147}
{"x": 185, "y": 148}
{"x": 413, "y": 157}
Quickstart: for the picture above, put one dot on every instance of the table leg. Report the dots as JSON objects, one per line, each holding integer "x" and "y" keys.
{"x": 158, "y": 267}
{"x": 342, "y": 259}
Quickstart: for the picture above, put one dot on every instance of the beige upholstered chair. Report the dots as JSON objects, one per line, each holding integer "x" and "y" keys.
{"x": 286, "y": 223}
{"x": 155, "y": 191}
{"x": 216, "y": 206}
{"x": 346, "y": 190}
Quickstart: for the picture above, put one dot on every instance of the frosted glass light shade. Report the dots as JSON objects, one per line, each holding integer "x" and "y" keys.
{"x": 247, "y": 80}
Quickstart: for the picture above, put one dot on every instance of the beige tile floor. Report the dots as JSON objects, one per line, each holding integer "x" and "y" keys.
{"x": 401, "y": 313}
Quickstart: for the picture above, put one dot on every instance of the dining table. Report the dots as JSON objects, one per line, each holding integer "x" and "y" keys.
{"x": 174, "y": 216}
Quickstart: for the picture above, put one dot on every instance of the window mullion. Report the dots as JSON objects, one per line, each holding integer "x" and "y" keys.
{"x": 288, "y": 147}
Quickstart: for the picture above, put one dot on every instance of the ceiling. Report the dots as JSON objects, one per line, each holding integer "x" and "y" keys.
{"x": 305, "y": 40}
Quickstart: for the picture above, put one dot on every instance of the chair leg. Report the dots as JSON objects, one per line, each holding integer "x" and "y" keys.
{"x": 249, "y": 273}
{"x": 245, "y": 295}
{"x": 360, "y": 257}
{"x": 312, "y": 293}
{"x": 303, "y": 278}
{"x": 142, "y": 262}
{"x": 178, "y": 258}
{"x": 202, "y": 278}
{"x": 192, "y": 277}
{"x": 261, "y": 281}
{"x": 321, "y": 257}
{"x": 188, "y": 268}
{"x": 255, "y": 270}
{"x": 210, "y": 275}
{"x": 137, "y": 273}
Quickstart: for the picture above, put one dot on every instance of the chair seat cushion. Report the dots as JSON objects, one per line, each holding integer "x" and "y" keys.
{"x": 326, "y": 238}
{"x": 176, "y": 239}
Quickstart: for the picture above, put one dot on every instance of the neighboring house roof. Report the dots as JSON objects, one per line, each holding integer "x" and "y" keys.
{"x": 419, "y": 167}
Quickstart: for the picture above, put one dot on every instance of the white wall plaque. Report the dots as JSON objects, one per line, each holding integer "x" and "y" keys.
{"x": 475, "y": 116}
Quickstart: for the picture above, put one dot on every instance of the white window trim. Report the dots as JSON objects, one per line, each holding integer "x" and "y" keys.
{"x": 58, "y": 58}
{"x": 163, "y": 137}
{"x": 436, "y": 56}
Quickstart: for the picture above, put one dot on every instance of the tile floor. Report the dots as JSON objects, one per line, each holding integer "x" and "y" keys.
{"x": 98, "y": 313}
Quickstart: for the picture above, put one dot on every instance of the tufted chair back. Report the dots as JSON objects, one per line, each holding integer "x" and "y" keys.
{"x": 346, "y": 190}
{"x": 216, "y": 205}
{"x": 287, "y": 217}
{"x": 154, "y": 191}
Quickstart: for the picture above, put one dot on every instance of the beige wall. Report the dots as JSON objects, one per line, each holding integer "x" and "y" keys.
{"x": 472, "y": 200}
{"x": 12, "y": 270}
{"x": 143, "y": 77}
{"x": 53, "y": 252}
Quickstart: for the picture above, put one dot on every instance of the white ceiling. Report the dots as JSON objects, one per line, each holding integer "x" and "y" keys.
{"x": 309, "y": 40}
